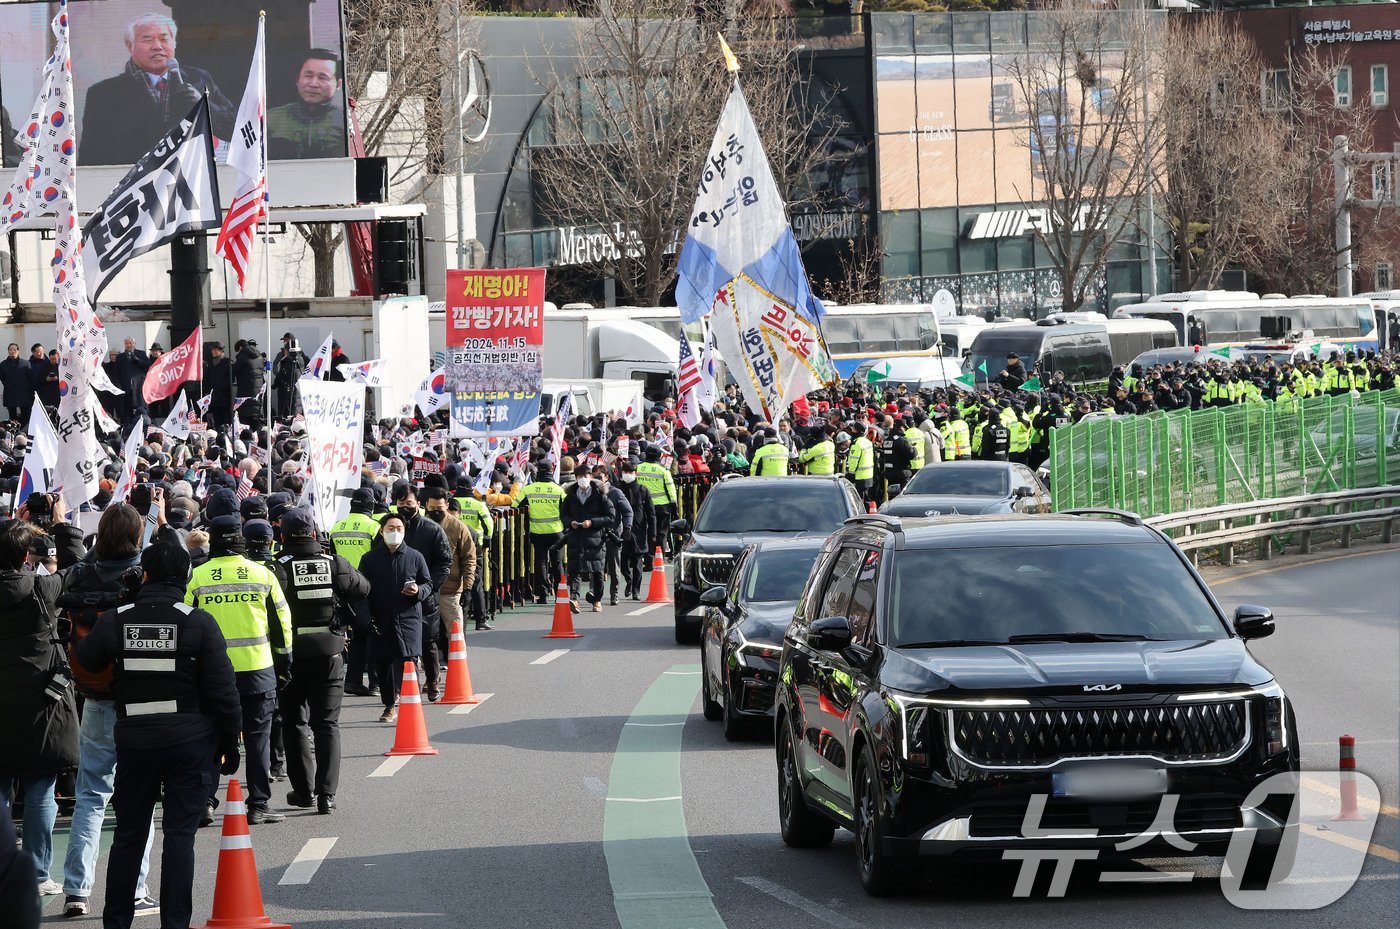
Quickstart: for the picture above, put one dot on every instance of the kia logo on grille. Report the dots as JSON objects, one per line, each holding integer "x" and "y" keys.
{"x": 1102, "y": 688}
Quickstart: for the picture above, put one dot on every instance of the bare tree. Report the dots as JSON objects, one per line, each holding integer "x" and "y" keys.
{"x": 632, "y": 121}
{"x": 857, "y": 278}
{"x": 399, "y": 61}
{"x": 1223, "y": 152}
{"x": 1300, "y": 256}
{"x": 1083, "y": 81}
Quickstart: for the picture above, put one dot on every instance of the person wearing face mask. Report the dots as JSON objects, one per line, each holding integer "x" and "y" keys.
{"x": 589, "y": 516}
{"x": 429, "y": 540}
{"x": 462, "y": 575}
{"x": 640, "y": 531}
{"x": 399, "y": 583}
{"x": 620, "y": 530}
{"x": 246, "y": 600}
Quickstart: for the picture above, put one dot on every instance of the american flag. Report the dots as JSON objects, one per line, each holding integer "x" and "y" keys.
{"x": 245, "y": 487}
{"x": 556, "y": 432}
{"x": 689, "y": 368}
{"x": 521, "y": 458}
{"x": 247, "y": 152}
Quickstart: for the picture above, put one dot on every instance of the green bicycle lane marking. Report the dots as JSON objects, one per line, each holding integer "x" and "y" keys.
{"x": 655, "y": 878}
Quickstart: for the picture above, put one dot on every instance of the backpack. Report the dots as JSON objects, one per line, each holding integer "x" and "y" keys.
{"x": 87, "y": 597}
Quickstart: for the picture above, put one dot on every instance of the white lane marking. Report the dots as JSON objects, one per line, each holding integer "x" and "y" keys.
{"x": 647, "y": 609}
{"x": 640, "y": 799}
{"x": 304, "y": 866}
{"x": 793, "y": 899}
{"x": 546, "y": 659}
{"x": 681, "y": 673}
{"x": 1146, "y": 877}
{"x": 652, "y": 725}
{"x": 390, "y": 766}
{"x": 463, "y": 709}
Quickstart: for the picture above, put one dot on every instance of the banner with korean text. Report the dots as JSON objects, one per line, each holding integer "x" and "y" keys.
{"x": 495, "y": 341}
{"x": 335, "y": 428}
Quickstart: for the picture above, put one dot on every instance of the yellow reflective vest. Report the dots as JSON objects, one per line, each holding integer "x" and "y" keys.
{"x": 860, "y": 465}
{"x": 353, "y": 535}
{"x": 246, "y": 601}
{"x": 770, "y": 460}
{"x": 915, "y": 438}
{"x": 658, "y": 482}
{"x": 477, "y": 515}
{"x": 542, "y": 500}
{"x": 820, "y": 458}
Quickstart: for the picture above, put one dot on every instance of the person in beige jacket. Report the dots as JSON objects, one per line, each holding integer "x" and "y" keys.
{"x": 463, "y": 574}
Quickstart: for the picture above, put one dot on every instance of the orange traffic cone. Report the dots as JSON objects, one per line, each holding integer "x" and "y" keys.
{"x": 870, "y": 507}
{"x": 563, "y": 627}
{"x": 658, "y": 592}
{"x": 411, "y": 734}
{"x": 237, "y": 897}
{"x": 459, "y": 675}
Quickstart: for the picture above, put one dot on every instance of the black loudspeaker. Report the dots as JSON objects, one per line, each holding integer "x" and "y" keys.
{"x": 372, "y": 180}
{"x": 394, "y": 256}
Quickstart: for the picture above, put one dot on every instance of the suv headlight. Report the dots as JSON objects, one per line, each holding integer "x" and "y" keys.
{"x": 690, "y": 565}
{"x": 921, "y": 727}
{"x": 757, "y": 654}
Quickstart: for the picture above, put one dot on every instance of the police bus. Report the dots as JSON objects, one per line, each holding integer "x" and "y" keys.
{"x": 1226, "y": 319}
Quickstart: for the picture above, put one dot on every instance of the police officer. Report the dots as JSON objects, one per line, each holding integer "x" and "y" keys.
{"x": 860, "y": 465}
{"x": 246, "y": 601}
{"x": 319, "y": 589}
{"x": 177, "y": 706}
{"x": 996, "y": 438}
{"x": 658, "y": 482}
{"x": 474, "y": 512}
{"x": 351, "y": 538}
{"x": 820, "y": 457}
{"x": 771, "y": 458}
{"x": 542, "y": 499}
{"x": 915, "y": 438}
{"x": 258, "y": 536}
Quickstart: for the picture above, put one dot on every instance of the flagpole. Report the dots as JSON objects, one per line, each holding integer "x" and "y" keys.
{"x": 266, "y": 245}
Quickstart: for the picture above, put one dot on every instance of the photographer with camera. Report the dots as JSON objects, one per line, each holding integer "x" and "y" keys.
{"x": 38, "y": 712}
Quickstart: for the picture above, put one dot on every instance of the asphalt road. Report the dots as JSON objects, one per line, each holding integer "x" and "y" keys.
{"x": 587, "y": 791}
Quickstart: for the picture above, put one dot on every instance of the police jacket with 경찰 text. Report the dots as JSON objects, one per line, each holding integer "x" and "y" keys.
{"x": 245, "y": 598}
{"x": 353, "y": 535}
{"x": 319, "y": 589}
{"x": 173, "y": 681}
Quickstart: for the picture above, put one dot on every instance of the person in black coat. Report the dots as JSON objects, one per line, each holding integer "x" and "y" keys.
{"x": 429, "y": 540}
{"x": 18, "y": 389}
{"x": 131, "y": 365}
{"x": 47, "y": 384}
{"x": 38, "y": 711}
{"x": 218, "y": 379}
{"x": 399, "y": 583}
{"x": 249, "y": 381}
{"x": 588, "y": 517}
{"x": 622, "y": 526}
{"x": 126, "y": 115}
{"x": 634, "y": 543}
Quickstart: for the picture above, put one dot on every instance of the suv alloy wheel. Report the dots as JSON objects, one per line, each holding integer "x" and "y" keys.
{"x": 879, "y": 873}
{"x": 800, "y": 826}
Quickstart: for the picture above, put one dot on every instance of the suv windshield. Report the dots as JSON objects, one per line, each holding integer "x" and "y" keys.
{"x": 779, "y": 574}
{"x": 970, "y": 480}
{"x": 773, "y": 506}
{"x": 992, "y": 594}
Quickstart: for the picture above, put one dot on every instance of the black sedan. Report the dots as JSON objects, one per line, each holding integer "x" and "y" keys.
{"x": 741, "y": 633}
{"x": 970, "y": 488}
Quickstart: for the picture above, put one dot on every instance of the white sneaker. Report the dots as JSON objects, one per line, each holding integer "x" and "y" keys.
{"x": 49, "y": 888}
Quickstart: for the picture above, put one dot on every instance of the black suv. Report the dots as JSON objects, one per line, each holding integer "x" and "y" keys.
{"x": 739, "y": 511}
{"x": 977, "y": 684}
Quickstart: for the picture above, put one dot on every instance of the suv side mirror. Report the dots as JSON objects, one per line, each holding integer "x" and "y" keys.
{"x": 829, "y": 634}
{"x": 893, "y": 491}
{"x": 714, "y": 596}
{"x": 1253, "y": 622}
{"x": 680, "y": 526}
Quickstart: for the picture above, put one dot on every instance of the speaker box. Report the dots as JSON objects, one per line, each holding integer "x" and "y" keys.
{"x": 372, "y": 180}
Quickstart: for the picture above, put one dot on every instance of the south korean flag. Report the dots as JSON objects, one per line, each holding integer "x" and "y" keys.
{"x": 172, "y": 190}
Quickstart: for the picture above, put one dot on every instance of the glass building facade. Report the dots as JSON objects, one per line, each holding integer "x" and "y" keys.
{"x": 956, "y": 175}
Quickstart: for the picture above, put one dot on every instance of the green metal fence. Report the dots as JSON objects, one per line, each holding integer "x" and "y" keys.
{"x": 1188, "y": 460}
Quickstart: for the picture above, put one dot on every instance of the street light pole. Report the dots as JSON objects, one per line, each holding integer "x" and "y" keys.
{"x": 458, "y": 141}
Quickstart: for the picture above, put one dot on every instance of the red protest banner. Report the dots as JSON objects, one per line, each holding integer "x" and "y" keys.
{"x": 423, "y": 467}
{"x": 184, "y": 362}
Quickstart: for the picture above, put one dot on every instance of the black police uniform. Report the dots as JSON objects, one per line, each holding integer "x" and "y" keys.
{"x": 319, "y": 589}
{"x": 177, "y": 706}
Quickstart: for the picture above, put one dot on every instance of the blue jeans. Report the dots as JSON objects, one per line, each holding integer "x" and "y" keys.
{"x": 40, "y": 811}
{"x": 97, "y": 766}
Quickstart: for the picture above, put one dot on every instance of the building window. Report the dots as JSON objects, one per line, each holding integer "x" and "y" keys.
{"x": 1385, "y": 275}
{"x": 1274, "y": 89}
{"x": 1380, "y": 85}
{"x": 1341, "y": 86}
{"x": 1382, "y": 180}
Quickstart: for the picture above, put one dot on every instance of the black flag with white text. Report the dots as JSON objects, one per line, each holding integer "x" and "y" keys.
{"x": 172, "y": 190}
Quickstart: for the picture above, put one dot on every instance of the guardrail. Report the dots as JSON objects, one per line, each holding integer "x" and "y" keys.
{"x": 1272, "y": 523}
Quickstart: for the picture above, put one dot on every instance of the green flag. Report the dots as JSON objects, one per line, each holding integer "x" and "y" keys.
{"x": 874, "y": 375}
{"x": 982, "y": 367}
{"x": 967, "y": 380}
{"x": 1221, "y": 352}
{"x": 1032, "y": 384}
